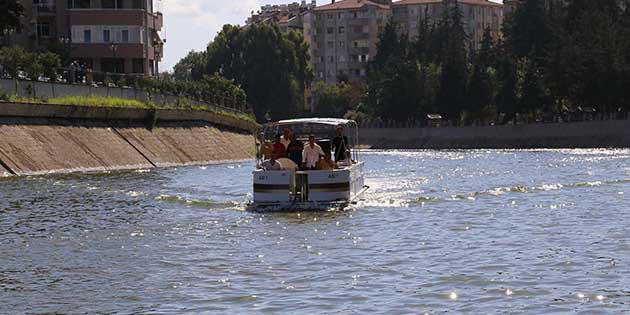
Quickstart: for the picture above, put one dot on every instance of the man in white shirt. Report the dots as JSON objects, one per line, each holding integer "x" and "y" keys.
{"x": 312, "y": 152}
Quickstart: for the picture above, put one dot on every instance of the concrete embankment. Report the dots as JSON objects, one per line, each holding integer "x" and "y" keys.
{"x": 593, "y": 134}
{"x": 40, "y": 139}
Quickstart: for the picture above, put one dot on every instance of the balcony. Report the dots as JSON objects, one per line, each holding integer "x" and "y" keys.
{"x": 44, "y": 9}
{"x": 108, "y": 51}
{"x": 107, "y": 17}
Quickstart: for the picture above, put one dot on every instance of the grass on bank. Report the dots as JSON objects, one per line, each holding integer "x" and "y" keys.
{"x": 99, "y": 101}
{"x": 102, "y": 101}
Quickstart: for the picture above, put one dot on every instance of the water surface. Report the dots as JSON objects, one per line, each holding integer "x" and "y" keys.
{"x": 440, "y": 232}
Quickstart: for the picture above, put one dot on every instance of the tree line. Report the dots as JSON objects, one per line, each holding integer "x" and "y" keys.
{"x": 554, "y": 58}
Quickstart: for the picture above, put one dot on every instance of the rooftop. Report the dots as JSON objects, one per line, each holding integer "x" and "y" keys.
{"x": 473, "y": 2}
{"x": 349, "y": 4}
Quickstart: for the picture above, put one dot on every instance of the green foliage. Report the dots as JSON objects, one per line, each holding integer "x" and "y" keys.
{"x": 332, "y": 100}
{"x": 393, "y": 77}
{"x": 98, "y": 101}
{"x": 50, "y": 63}
{"x": 13, "y": 59}
{"x": 190, "y": 67}
{"x": 271, "y": 66}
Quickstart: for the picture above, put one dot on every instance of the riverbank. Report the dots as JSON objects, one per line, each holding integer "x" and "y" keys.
{"x": 44, "y": 138}
{"x": 591, "y": 134}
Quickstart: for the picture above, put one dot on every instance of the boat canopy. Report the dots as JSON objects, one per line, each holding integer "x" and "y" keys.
{"x": 316, "y": 121}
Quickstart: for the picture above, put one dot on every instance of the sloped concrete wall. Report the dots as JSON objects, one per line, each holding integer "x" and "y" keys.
{"x": 39, "y": 139}
{"x": 45, "y": 146}
{"x": 171, "y": 144}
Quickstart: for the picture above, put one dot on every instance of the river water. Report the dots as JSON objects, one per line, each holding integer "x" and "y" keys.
{"x": 440, "y": 232}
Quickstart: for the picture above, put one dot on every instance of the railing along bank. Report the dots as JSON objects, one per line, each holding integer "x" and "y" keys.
{"x": 47, "y": 90}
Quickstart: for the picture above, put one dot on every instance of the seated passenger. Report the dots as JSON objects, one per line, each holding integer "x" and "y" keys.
{"x": 294, "y": 150}
{"x": 311, "y": 153}
{"x": 265, "y": 147}
{"x": 271, "y": 164}
{"x": 325, "y": 163}
{"x": 279, "y": 148}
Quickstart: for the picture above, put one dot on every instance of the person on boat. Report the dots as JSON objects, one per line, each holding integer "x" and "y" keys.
{"x": 279, "y": 148}
{"x": 325, "y": 163}
{"x": 286, "y": 137}
{"x": 311, "y": 154}
{"x": 272, "y": 164}
{"x": 340, "y": 144}
{"x": 294, "y": 150}
{"x": 347, "y": 161}
{"x": 265, "y": 147}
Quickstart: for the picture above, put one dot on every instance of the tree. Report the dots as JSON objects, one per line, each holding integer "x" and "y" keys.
{"x": 332, "y": 100}
{"x": 12, "y": 11}
{"x": 532, "y": 89}
{"x": 526, "y": 30}
{"x": 270, "y": 65}
{"x": 393, "y": 77}
{"x": 451, "y": 97}
{"x": 506, "y": 99}
{"x": 51, "y": 63}
{"x": 13, "y": 60}
{"x": 190, "y": 67}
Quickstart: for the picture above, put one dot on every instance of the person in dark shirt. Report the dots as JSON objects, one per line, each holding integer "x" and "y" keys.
{"x": 294, "y": 150}
{"x": 279, "y": 148}
{"x": 340, "y": 144}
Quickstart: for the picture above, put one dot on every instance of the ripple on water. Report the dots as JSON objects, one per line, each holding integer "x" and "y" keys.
{"x": 460, "y": 232}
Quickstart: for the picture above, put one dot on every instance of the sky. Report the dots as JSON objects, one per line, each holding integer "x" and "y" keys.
{"x": 192, "y": 24}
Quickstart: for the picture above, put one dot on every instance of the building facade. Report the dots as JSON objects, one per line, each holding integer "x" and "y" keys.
{"x": 344, "y": 37}
{"x": 477, "y": 16}
{"x": 287, "y": 16}
{"x": 119, "y": 36}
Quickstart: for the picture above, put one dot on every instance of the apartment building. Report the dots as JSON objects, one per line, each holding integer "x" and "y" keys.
{"x": 288, "y": 16}
{"x": 344, "y": 37}
{"x": 118, "y": 36}
{"x": 477, "y": 16}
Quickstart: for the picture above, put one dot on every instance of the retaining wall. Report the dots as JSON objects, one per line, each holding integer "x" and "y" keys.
{"x": 38, "y": 139}
{"x": 593, "y": 134}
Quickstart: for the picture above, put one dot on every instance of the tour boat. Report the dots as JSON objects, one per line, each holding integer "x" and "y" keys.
{"x": 294, "y": 188}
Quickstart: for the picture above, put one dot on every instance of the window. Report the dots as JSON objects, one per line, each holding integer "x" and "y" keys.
{"x": 340, "y": 15}
{"x": 355, "y": 14}
{"x": 342, "y": 58}
{"x": 342, "y": 29}
{"x": 342, "y": 44}
{"x": 137, "y": 65}
{"x": 331, "y": 59}
{"x": 125, "y": 36}
{"x": 87, "y": 36}
{"x": 106, "y": 37}
{"x": 108, "y": 4}
{"x": 43, "y": 29}
{"x": 330, "y": 16}
{"x": 330, "y": 45}
{"x": 330, "y": 30}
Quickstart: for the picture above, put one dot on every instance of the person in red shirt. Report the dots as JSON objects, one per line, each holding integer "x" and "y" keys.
{"x": 279, "y": 148}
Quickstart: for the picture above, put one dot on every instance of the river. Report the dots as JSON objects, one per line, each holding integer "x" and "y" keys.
{"x": 440, "y": 232}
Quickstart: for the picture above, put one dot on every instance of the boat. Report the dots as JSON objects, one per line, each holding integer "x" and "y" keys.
{"x": 293, "y": 188}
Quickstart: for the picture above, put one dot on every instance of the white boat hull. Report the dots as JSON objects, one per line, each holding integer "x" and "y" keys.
{"x": 290, "y": 190}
